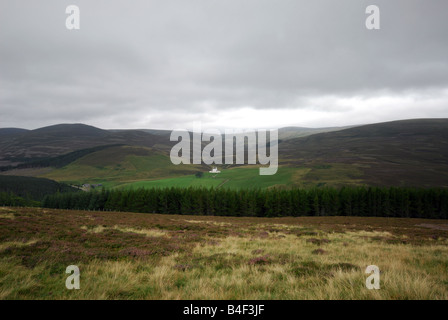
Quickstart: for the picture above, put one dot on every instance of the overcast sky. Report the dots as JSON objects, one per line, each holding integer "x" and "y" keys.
{"x": 227, "y": 63}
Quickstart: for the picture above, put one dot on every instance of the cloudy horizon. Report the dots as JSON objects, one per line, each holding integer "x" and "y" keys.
{"x": 229, "y": 64}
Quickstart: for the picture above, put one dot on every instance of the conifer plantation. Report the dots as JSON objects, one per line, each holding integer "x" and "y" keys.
{"x": 347, "y": 201}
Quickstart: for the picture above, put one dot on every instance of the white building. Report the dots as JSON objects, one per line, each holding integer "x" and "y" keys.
{"x": 215, "y": 170}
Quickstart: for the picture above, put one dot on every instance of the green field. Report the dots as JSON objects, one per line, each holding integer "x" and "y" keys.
{"x": 116, "y": 165}
{"x": 135, "y": 167}
{"x": 235, "y": 178}
{"x": 248, "y": 177}
{"x": 408, "y": 153}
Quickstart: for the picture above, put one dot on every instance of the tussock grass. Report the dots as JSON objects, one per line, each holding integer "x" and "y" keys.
{"x": 146, "y": 232}
{"x": 7, "y": 215}
{"x": 96, "y": 229}
{"x": 141, "y": 256}
{"x": 222, "y": 224}
{"x": 10, "y": 244}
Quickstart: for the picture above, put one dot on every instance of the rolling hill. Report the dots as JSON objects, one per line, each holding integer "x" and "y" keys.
{"x": 121, "y": 164}
{"x": 407, "y": 152}
{"x": 4, "y": 132}
{"x": 23, "y": 146}
{"x": 398, "y": 153}
{"x": 298, "y": 132}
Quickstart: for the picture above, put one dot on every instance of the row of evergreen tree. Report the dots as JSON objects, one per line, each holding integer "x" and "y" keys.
{"x": 346, "y": 201}
{"x": 10, "y": 199}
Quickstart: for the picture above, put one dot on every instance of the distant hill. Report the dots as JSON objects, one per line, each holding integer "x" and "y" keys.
{"x": 52, "y": 141}
{"x": 400, "y": 153}
{"x": 22, "y": 146}
{"x": 283, "y": 133}
{"x": 68, "y": 130}
{"x": 297, "y": 132}
{"x": 57, "y": 161}
{"x": 407, "y": 152}
{"x": 121, "y": 164}
{"x": 157, "y": 132}
{"x": 11, "y": 131}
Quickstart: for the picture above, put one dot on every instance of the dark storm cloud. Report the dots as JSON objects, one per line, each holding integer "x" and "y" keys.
{"x": 163, "y": 63}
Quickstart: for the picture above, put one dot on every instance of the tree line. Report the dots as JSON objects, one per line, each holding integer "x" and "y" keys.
{"x": 10, "y": 199}
{"x": 346, "y": 201}
{"x": 31, "y": 188}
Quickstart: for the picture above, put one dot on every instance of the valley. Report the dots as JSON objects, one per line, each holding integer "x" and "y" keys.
{"x": 400, "y": 153}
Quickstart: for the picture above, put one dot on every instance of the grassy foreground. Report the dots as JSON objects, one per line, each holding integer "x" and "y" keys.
{"x": 150, "y": 256}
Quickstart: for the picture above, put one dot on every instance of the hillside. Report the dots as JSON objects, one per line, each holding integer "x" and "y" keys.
{"x": 297, "y": 132}
{"x": 32, "y": 188}
{"x": 408, "y": 152}
{"x": 52, "y": 141}
{"x": 4, "y": 132}
{"x": 397, "y": 153}
{"x": 121, "y": 164}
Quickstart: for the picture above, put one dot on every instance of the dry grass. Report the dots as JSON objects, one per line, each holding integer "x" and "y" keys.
{"x": 10, "y": 244}
{"x": 146, "y": 232}
{"x": 145, "y": 256}
{"x": 221, "y": 224}
{"x": 7, "y": 216}
{"x": 6, "y": 213}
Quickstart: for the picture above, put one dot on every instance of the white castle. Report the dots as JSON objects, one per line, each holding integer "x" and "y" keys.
{"x": 215, "y": 170}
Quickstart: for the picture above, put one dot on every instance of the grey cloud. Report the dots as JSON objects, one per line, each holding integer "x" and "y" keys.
{"x": 135, "y": 63}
